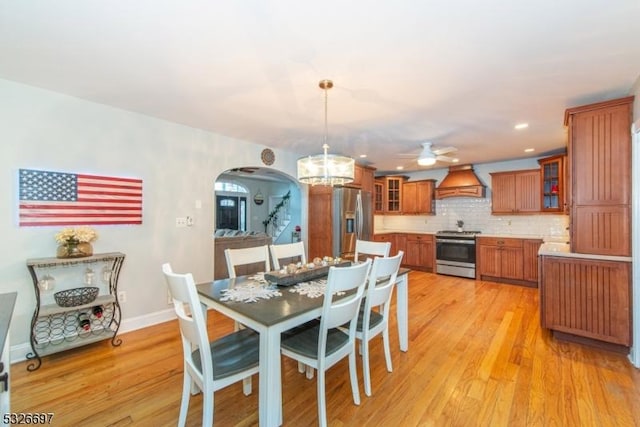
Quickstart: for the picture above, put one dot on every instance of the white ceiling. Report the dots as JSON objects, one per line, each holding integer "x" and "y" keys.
{"x": 457, "y": 73}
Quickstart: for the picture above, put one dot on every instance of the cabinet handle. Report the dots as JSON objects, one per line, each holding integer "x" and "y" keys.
{"x": 501, "y": 242}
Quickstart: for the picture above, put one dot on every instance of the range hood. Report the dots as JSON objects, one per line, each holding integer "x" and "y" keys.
{"x": 461, "y": 181}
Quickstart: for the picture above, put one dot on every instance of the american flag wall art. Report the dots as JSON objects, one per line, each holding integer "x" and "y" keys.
{"x": 59, "y": 198}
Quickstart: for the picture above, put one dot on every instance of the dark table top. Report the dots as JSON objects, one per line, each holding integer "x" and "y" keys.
{"x": 7, "y": 303}
{"x": 265, "y": 311}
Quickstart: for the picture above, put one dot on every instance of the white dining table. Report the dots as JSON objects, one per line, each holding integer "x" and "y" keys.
{"x": 270, "y": 317}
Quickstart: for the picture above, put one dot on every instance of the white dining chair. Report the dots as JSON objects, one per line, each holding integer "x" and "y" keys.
{"x": 244, "y": 256}
{"x": 367, "y": 247}
{"x": 287, "y": 250}
{"x": 374, "y": 311}
{"x": 209, "y": 365}
{"x": 321, "y": 343}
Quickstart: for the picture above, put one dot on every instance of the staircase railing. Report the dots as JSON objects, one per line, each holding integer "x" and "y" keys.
{"x": 278, "y": 218}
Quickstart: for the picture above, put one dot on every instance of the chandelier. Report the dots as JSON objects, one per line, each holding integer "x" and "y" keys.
{"x": 325, "y": 169}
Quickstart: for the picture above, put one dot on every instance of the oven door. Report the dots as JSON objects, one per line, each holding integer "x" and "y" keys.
{"x": 456, "y": 250}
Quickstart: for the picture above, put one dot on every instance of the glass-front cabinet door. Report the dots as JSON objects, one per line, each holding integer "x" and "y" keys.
{"x": 552, "y": 186}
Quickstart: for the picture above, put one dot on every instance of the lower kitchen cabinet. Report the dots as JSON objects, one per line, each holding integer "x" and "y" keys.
{"x": 530, "y": 249}
{"x": 420, "y": 252}
{"x": 506, "y": 259}
{"x": 419, "y": 249}
{"x": 587, "y": 298}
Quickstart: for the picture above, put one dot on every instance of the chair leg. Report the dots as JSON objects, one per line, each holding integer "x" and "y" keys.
{"x": 309, "y": 370}
{"x": 246, "y": 386}
{"x": 301, "y": 367}
{"x": 365, "y": 365}
{"x": 353, "y": 375}
{"x": 387, "y": 349}
{"x": 184, "y": 403}
{"x": 322, "y": 409}
{"x": 207, "y": 406}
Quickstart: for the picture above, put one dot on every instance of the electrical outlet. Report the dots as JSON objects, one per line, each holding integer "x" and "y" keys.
{"x": 122, "y": 296}
{"x": 181, "y": 222}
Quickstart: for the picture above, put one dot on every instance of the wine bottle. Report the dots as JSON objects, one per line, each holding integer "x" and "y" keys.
{"x": 83, "y": 320}
{"x": 97, "y": 311}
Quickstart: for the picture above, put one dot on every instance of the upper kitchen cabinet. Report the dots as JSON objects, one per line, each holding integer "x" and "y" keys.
{"x": 378, "y": 196}
{"x": 393, "y": 194}
{"x": 362, "y": 178}
{"x": 515, "y": 192}
{"x": 552, "y": 175}
{"x": 417, "y": 197}
{"x": 600, "y": 170}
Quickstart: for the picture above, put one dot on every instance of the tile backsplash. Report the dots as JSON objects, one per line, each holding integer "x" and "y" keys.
{"x": 476, "y": 214}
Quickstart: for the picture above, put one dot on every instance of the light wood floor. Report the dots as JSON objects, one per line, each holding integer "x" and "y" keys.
{"x": 477, "y": 356}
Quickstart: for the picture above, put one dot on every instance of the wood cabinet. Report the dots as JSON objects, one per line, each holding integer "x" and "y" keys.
{"x": 393, "y": 194}
{"x": 588, "y": 298}
{"x": 419, "y": 253}
{"x": 530, "y": 248}
{"x": 320, "y": 217}
{"x": 552, "y": 184}
{"x": 515, "y": 192}
{"x": 600, "y": 169}
{"x": 362, "y": 178}
{"x": 417, "y": 197}
{"x": 378, "y": 197}
{"x": 400, "y": 244}
{"x": 507, "y": 259}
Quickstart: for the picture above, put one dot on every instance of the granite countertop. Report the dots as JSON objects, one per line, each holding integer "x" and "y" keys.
{"x": 563, "y": 250}
{"x": 7, "y": 302}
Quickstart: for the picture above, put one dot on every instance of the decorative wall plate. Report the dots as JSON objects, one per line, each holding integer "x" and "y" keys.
{"x": 268, "y": 156}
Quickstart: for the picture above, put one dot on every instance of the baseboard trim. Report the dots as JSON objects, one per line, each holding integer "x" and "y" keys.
{"x": 19, "y": 351}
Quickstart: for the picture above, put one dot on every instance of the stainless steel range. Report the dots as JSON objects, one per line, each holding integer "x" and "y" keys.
{"x": 456, "y": 253}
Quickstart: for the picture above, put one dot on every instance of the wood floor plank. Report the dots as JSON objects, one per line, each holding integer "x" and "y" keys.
{"x": 477, "y": 356}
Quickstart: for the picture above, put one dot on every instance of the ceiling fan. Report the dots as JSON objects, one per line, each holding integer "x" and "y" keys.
{"x": 428, "y": 156}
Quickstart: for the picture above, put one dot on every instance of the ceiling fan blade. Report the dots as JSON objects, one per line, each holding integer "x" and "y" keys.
{"x": 444, "y": 150}
{"x": 445, "y": 159}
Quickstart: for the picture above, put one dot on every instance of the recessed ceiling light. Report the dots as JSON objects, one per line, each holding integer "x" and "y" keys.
{"x": 521, "y": 126}
{"x": 455, "y": 160}
{"x": 399, "y": 168}
{"x": 362, "y": 156}
{"x": 529, "y": 150}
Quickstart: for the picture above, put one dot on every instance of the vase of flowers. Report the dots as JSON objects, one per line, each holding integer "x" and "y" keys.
{"x": 75, "y": 242}
{"x": 460, "y": 224}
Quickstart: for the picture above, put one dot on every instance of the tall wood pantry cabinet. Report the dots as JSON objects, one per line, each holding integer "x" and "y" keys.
{"x": 600, "y": 168}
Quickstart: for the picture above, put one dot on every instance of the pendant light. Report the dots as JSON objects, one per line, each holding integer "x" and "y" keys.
{"x": 324, "y": 168}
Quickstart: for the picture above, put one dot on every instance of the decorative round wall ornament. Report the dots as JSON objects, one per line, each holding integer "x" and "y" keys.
{"x": 268, "y": 156}
{"x": 258, "y": 199}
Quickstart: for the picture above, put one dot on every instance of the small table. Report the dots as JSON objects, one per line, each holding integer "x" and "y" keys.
{"x": 271, "y": 317}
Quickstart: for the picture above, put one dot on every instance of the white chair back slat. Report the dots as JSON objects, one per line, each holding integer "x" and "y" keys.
{"x": 243, "y": 256}
{"x": 367, "y": 248}
{"x": 287, "y": 250}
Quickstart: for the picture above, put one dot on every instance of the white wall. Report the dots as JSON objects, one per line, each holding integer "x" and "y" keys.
{"x": 178, "y": 165}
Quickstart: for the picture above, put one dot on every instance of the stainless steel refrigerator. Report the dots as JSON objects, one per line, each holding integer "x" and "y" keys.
{"x": 352, "y": 219}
